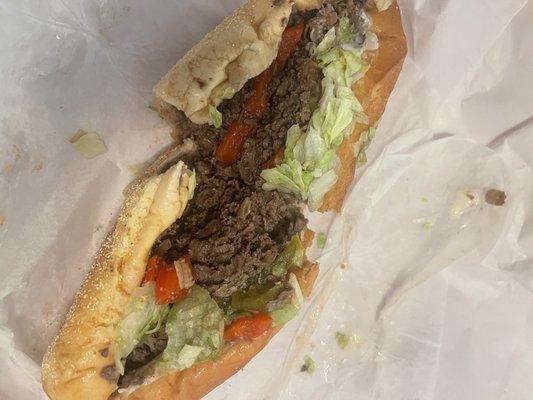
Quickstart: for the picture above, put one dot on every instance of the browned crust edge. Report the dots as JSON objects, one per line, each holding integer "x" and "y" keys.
{"x": 72, "y": 363}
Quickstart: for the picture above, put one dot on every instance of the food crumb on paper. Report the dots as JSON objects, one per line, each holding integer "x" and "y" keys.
{"x": 88, "y": 144}
{"x": 423, "y": 222}
{"x": 424, "y": 200}
{"x": 495, "y": 197}
{"x": 465, "y": 200}
{"x": 138, "y": 169}
{"x": 321, "y": 240}
{"x": 308, "y": 366}
{"x": 342, "y": 339}
{"x": 16, "y": 152}
{"x": 2, "y": 219}
{"x": 37, "y": 167}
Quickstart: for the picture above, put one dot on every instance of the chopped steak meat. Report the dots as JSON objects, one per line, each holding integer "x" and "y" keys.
{"x": 232, "y": 228}
{"x": 328, "y": 15}
{"x": 295, "y": 92}
{"x": 144, "y": 352}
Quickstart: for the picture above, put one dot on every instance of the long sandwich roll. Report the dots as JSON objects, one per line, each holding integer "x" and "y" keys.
{"x": 271, "y": 111}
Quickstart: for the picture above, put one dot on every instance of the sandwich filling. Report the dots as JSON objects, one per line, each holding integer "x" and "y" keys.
{"x": 224, "y": 270}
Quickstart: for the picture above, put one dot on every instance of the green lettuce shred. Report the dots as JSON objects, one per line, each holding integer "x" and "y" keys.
{"x": 287, "y": 311}
{"x": 382, "y": 5}
{"x": 192, "y": 184}
{"x": 345, "y": 30}
{"x": 321, "y": 240}
{"x": 342, "y": 339}
{"x": 215, "y": 117}
{"x": 194, "y": 328}
{"x": 308, "y": 167}
{"x": 362, "y": 145}
{"x": 283, "y": 314}
{"x": 142, "y": 316}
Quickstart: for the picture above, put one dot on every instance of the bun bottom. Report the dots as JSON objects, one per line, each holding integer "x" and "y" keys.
{"x": 195, "y": 382}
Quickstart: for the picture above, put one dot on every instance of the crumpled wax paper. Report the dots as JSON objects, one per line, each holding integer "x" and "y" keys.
{"x": 434, "y": 307}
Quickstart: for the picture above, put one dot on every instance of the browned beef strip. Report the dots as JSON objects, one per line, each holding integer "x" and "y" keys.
{"x": 146, "y": 351}
{"x": 232, "y": 230}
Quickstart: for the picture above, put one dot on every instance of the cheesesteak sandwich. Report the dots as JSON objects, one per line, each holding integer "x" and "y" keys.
{"x": 207, "y": 260}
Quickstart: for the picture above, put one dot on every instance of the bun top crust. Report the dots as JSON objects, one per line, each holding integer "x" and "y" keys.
{"x": 305, "y": 5}
{"x": 238, "y": 49}
{"x": 79, "y": 364}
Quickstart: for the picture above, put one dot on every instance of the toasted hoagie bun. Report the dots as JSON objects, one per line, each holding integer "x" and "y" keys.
{"x": 238, "y": 49}
{"x": 79, "y": 364}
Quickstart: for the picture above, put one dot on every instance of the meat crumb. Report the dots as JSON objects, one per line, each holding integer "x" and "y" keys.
{"x": 495, "y": 197}
{"x": 109, "y": 373}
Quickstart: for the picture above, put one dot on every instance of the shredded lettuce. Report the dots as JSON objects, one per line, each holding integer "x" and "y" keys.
{"x": 327, "y": 42}
{"x": 382, "y": 5}
{"x": 188, "y": 355}
{"x": 362, "y": 145}
{"x": 88, "y": 144}
{"x": 308, "y": 167}
{"x": 194, "y": 328}
{"x": 319, "y": 188}
{"x": 321, "y": 239}
{"x": 283, "y": 315}
{"x": 192, "y": 184}
{"x": 371, "y": 42}
{"x": 345, "y": 30}
{"x": 290, "y": 308}
{"x": 142, "y": 316}
{"x": 298, "y": 299}
{"x": 215, "y": 117}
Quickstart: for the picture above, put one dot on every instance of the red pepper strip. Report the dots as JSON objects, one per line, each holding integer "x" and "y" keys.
{"x": 230, "y": 148}
{"x": 256, "y": 103}
{"x": 248, "y": 328}
{"x": 167, "y": 287}
{"x": 289, "y": 40}
{"x": 151, "y": 269}
{"x": 276, "y": 159}
{"x": 232, "y": 144}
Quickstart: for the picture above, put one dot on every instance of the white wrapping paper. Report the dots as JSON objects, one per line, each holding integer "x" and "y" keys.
{"x": 437, "y": 308}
